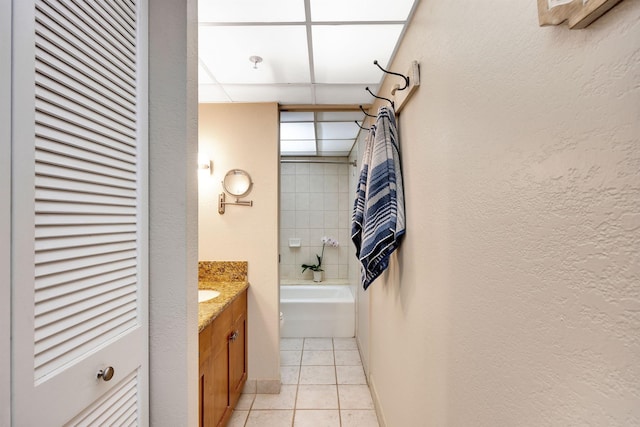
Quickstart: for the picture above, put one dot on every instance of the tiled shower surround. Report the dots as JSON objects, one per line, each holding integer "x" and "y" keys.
{"x": 315, "y": 201}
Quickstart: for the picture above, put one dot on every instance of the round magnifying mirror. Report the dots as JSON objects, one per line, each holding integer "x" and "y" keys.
{"x": 237, "y": 183}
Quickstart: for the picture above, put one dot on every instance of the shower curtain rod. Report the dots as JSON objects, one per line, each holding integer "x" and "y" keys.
{"x": 334, "y": 162}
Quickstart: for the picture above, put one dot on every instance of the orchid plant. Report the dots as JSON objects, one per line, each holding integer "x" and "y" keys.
{"x": 316, "y": 267}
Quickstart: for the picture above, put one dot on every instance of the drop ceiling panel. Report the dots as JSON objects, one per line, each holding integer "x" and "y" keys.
{"x": 360, "y": 10}
{"x": 298, "y": 148}
{"x": 296, "y": 116}
{"x": 250, "y": 11}
{"x": 345, "y": 53}
{"x": 344, "y": 94}
{"x": 337, "y": 130}
{"x": 298, "y": 131}
{"x": 204, "y": 77}
{"x": 225, "y": 52}
{"x": 338, "y": 116}
{"x": 270, "y": 93}
{"x": 340, "y": 147}
{"x": 212, "y": 93}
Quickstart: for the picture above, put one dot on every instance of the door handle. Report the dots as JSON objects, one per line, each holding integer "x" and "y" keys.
{"x": 107, "y": 373}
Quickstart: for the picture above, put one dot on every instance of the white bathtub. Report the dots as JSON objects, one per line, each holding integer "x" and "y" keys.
{"x": 317, "y": 310}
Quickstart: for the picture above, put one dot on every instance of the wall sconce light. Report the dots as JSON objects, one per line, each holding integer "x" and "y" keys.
{"x": 206, "y": 164}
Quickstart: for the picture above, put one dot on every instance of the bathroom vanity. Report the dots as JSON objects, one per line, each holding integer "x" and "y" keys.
{"x": 222, "y": 351}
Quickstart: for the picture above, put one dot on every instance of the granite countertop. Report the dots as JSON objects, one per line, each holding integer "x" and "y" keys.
{"x": 209, "y": 310}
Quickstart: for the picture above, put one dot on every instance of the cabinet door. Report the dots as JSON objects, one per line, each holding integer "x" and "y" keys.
{"x": 237, "y": 350}
{"x": 220, "y": 369}
{"x": 205, "y": 385}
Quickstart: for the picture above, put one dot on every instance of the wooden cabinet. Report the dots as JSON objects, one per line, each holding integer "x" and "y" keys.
{"x": 223, "y": 363}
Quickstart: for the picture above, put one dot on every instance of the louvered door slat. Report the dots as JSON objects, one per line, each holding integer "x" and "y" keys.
{"x": 80, "y": 187}
{"x": 60, "y": 71}
{"x": 46, "y": 194}
{"x": 117, "y": 33}
{"x": 64, "y": 282}
{"x": 88, "y": 220}
{"x": 84, "y": 38}
{"x": 72, "y": 255}
{"x": 49, "y": 53}
{"x": 105, "y": 113}
{"x": 124, "y": 37}
{"x": 57, "y": 46}
{"x": 43, "y": 233}
{"x": 121, "y": 396}
{"x": 55, "y": 171}
{"x": 62, "y": 324}
{"x": 115, "y": 50}
{"x": 47, "y": 298}
{"x": 76, "y": 133}
{"x": 123, "y": 16}
{"x": 42, "y": 270}
{"x": 79, "y": 164}
{"x": 90, "y": 119}
{"x": 87, "y": 151}
{"x": 97, "y": 60}
{"x": 122, "y": 416}
{"x": 82, "y": 241}
{"x": 57, "y": 112}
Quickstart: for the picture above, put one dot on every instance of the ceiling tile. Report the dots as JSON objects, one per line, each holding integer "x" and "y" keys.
{"x": 225, "y": 51}
{"x": 204, "y": 76}
{"x": 297, "y": 131}
{"x": 360, "y": 10}
{"x": 337, "y": 130}
{"x": 338, "y": 116}
{"x": 296, "y": 116}
{"x": 344, "y": 94}
{"x": 212, "y": 93}
{"x": 340, "y": 147}
{"x": 294, "y": 94}
{"x": 298, "y": 148}
{"x": 345, "y": 54}
{"x": 251, "y": 11}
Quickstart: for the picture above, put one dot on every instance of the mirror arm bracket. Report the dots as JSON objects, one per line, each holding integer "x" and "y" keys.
{"x": 222, "y": 203}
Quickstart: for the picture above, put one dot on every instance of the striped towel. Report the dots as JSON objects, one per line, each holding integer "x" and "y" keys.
{"x": 357, "y": 218}
{"x": 383, "y": 220}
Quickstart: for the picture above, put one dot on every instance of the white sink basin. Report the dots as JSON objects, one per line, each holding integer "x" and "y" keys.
{"x": 207, "y": 294}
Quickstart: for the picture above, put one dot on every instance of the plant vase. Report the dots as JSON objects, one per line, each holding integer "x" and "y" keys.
{"x": 317, "y": 276}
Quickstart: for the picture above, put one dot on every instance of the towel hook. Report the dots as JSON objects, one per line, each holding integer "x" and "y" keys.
{"x": 406, "y": 78}
{"x": 361, "y": 127}
{"x": 380, "y": 97}
{"x": 365, "y": 113}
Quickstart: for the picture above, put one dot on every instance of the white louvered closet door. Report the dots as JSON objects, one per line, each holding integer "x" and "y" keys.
{"x": 79, "y": 209}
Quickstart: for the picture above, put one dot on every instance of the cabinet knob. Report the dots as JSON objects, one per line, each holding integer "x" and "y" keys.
{"x": 234, "y": 335}
{"x": 107, "y": 373}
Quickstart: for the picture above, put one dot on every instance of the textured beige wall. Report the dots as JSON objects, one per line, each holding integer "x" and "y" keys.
{"x": 245, "y": 136}
{"x": 515, "y": 297}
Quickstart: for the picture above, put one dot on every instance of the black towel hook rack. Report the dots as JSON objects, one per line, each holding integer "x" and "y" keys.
{"x": 361, "y": 127}
{"x": 406, "y": 78}
{"x": 380, "y": 97}
{"x": 365, "y": 113}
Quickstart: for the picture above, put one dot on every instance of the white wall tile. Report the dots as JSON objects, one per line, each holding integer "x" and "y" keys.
{"x": 287, "y": 201}
{"x": 302, "y": 183}
{"x": 331, "y": 184}
{"x": 302, "y": 168}
{"x": 302, "y": 201}
{"x": 287, "y": 168}
{"x": 316, "y": 183}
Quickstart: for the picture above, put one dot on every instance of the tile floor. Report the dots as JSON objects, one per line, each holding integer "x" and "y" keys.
{"x": 323, "y": 385}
